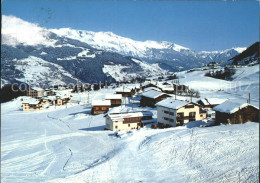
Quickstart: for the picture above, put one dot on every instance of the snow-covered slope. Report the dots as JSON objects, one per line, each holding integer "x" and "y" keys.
{"x": 36, "y": 71}
{"x": 68, "y": 144}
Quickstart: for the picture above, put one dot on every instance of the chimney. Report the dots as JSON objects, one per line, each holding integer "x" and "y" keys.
{"x": 249, "y": 98}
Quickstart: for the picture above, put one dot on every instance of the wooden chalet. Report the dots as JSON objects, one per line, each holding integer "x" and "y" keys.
{"x": 209, "y": 103}
{"x": 125, "y": 92}
{"x": 236, "y": 112}
{"x": 147, "y": 85}
{"x": 151, "y": 97}
{"x": 100, "y": 106}
{"x": 115, "y": 99}
{"x": 182, "y": 88}
{"x": 32, "y": 105}
{"x": 128, "y": 120}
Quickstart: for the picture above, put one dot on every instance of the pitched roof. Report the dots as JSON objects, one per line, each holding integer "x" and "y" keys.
{"x": 232, "y": 106}
{"x": 31, "y": 101}
{"x": 212, "y": 101}
{"x": 171, "y": 103}
{"x": 50, "y": 98}
{"x": 113, "y": 96}
{"x": 151, "y": 88}
{"x": 101, "y": 102}
{"x": 123, "y": 89}
{"x": 121, "y": 116}
{"x": 152, "y": 94}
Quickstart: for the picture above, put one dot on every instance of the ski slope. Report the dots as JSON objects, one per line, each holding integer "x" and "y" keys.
{"x": 67, "y": 144}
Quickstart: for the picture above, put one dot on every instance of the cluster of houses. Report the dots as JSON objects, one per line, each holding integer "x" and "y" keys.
{"x": 170, "y": 112}
{"x": 40, "y": 98}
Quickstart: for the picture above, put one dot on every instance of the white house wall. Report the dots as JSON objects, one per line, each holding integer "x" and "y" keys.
{"x": 161, "y": 115}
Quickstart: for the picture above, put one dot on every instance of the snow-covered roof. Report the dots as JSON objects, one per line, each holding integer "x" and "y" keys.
{"x": 31, "y": 101}
{"x": 123, "y": 89}
{"x": 216, "y": 101}
{"x": 171, "y": 103}
{"x": 121, "y": 116}
{"x": 137, "y": 85}
{"x": 113, "y": 96}
{"x": 37, "y": 88}
{"x": 151, "y": 88}
{"x": 212, "y": 101}
{"x": 231, "y": 106}
{"x": 50, "y": 98}
{"x": 101, "y": 102}
{"x": 152, "y": 94}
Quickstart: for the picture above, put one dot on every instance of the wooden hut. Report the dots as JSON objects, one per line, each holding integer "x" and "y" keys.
{"x": 235, "y": 112}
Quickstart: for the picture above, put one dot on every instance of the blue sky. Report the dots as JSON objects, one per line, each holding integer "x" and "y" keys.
{"x": 210, "y": 25}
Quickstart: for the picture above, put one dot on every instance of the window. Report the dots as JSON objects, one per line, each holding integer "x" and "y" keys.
{"x": 116, "y": 127}
{"x": 192, "y": 114}
{"x": 165, "y": 119}
{"x": 128, "y": 125}
{"x": 189, "y": 106}
{"x": 180, "y": 115}
{"x": 166, "y": 112}
{"x": 171, "y": 120}
{"x": 171, "y": 113}
{"x": 104, "y": 108}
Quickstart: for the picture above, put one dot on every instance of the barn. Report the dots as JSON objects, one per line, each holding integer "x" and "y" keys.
{"x": 236, "y": 112}
{"x": 151, "y": 97}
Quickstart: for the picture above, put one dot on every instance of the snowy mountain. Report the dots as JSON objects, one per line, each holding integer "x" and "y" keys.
{"x": 168, "y": 55}
{"x": 37, "y": 56}
{"x": 251, "y": 54}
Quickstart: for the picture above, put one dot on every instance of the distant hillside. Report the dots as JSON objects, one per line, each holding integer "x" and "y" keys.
{"x": 249, "y": 55}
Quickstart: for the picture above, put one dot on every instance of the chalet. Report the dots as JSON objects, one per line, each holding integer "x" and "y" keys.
{"x": 182, "y": 88}
{"x": 169, "y": 88}
{"x": 152, "y": 88}
{"x": 236, "y": 112}
{"x": 32, "y": 105}
{"x": 35, "y": 92}
{"x": 128, "y": 120}
{"x": 151, "y": 97}
{"x": 48, "y": 92}
{"x": 125, "y": 92}
{"x": 49, "y": 99}
{"x": 100, "y": 106}
{"x": 147, "y": 85}
{"x": 209, "y": 103}
{"x": 62, "y": 100}
{"x": 172, "y": 113}
{"x": 115, "y": 99}
{"x": 56, "y": 100}
{"x": 135, "y": 87}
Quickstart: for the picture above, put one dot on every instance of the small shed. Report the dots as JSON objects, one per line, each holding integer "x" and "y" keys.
{"x": 125, "y": 92}
{"x": 115, "y": 99}
{"x": 236, "y": 112}
{"x": 100, "y": 106}
{"x": 151, "y": 97}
